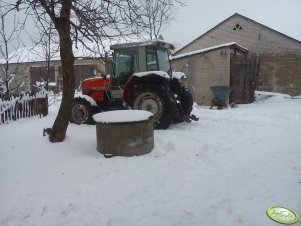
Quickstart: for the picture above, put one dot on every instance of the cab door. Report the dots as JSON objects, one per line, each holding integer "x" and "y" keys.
{"x": 125, "y": 65}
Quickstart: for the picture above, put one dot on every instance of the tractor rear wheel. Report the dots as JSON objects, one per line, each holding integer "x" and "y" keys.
{"x": 185, "y": 100}
{"x": 157, "y": 101}
{"x": 82, "y": 112}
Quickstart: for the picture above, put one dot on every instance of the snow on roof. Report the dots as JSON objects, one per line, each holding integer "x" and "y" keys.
{"x": 145, "y": 42}
{"x": 230, "y": 44}
{"x": 38, "y": 52}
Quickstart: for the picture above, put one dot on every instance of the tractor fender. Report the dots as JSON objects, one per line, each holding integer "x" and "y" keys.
{"x": 87, "y": 98}
{"x": 158, "y": 78}
{"x": 162, "y": 74}
{"x": 178, "y": 75}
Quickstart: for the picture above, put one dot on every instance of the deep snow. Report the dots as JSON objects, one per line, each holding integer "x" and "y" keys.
{"x": 225, "y": 169}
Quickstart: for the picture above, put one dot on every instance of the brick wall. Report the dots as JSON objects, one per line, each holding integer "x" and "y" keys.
{"x": 22, "y": 70}
{"x": 280, "y": 54}
{"x": 280, "y": 73}
{"x": 253, "y": 36}
{"x": 205, "y": 70}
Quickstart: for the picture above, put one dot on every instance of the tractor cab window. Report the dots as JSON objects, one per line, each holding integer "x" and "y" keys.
{"x": 151, "y": 59}
{"x": 157, "y": 59}
{"x": 125, "y": 65}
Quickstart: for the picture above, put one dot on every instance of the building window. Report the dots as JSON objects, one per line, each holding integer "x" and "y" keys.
{"x": 237, "y": 27}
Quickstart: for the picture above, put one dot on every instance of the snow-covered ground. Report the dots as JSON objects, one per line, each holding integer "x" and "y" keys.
{"x": 226, "y": 169}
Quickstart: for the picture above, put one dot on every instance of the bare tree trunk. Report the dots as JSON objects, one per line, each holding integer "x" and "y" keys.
{"x": 61, "y": 122}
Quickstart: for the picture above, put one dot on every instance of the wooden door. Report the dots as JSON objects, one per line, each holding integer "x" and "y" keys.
{"x": 244, "y": 71}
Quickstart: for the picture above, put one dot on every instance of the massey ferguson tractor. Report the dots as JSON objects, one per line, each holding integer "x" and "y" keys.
{"x": 142, "y": 79}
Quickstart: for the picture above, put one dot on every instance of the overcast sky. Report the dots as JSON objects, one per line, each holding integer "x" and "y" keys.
{"x": 200, "y": 16}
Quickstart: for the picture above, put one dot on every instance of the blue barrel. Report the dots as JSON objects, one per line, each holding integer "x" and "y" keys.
{"x": 221, "y": 93}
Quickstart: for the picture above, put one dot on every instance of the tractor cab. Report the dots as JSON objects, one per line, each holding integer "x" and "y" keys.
{"x": 131, "y": 58}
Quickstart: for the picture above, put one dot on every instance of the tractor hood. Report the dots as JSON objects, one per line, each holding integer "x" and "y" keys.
{"x": 146, "y": 73}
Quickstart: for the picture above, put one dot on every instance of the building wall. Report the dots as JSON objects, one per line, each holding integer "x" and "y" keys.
{"x": 21, "y": 81}
{"x": 203, "y": 71}
{"x": 253, "y": 36}
{"x": 280, "y": 54}
{"x": 280, "y": 73}
{"x": 22, "y": 71}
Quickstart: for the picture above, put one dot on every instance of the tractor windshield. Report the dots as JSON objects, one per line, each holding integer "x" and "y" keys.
{"x": 157, "y": 59}
{"x": 125, "y": 66}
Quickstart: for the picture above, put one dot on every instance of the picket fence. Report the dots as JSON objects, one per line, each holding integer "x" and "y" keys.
{"x": 22, "y": 106}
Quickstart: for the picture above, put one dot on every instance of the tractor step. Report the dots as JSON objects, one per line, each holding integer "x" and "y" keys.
{"x": 194, "y": 118}
{"x": 190, "y": 117}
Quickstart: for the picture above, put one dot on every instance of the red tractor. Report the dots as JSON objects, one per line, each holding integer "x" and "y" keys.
{"x": 142, "y": 79}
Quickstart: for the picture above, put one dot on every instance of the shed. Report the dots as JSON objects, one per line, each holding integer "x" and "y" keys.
{"x": 222, "y": 65}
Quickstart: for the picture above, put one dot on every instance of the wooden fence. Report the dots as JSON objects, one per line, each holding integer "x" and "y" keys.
{"x": 23, "y": 106}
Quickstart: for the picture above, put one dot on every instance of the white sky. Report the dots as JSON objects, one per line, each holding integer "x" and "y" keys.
{"x": 199, "y": 16}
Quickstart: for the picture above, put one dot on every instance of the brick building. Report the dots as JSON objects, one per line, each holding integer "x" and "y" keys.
{"x": 280, "y": 67}
{"x": 256, "y": 37}
{"x": 30, "y": 68}
{"x": 212, "y": 67}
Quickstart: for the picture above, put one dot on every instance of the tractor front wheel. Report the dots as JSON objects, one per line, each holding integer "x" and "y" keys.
{"x": 82, "y": 112}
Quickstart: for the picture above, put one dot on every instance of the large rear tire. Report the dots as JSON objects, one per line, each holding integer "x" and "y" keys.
{"x": 82, "y": 112}
{"x": 158, "y": 101}
{"x": 185, "y": 100}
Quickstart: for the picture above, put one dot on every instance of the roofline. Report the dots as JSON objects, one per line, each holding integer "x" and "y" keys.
{"x": 155, "y": 42}
{"x": 246, "y": 18}
{"x": 55, "y": 60}
{"x": 231, "y": 45}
